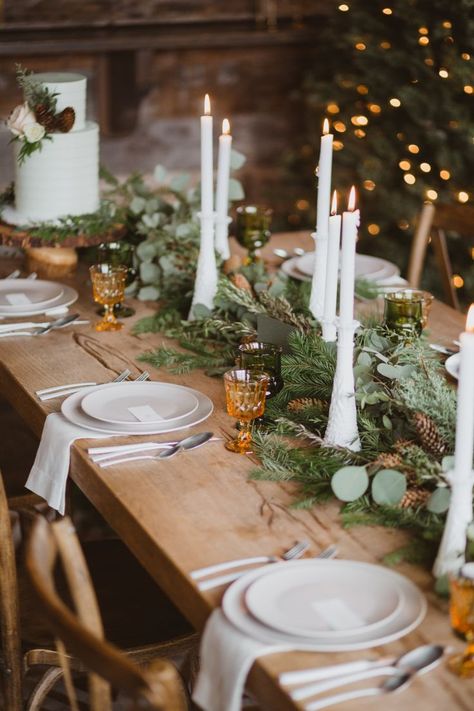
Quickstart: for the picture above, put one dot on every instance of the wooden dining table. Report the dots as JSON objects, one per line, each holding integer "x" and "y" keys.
{"x": 203, "y": 507}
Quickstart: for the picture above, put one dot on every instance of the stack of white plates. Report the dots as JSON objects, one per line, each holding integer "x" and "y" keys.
{"x": 137, "y": 408}
{"x": 452, "y": 365}
{"x": 366, "y": 267}
{"x": 324, "y": 605}
{"x": 31, "y": 297}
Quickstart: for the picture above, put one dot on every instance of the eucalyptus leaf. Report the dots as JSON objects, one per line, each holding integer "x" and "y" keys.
{"x": 388, "y": 371}
{"x": 237, "y": 159}
{"x": 160, "y": 174}
{"x": 185, "y": 229}
{"x": 387, "y": 422}
{"x": 350, "y": 483}
{"x": 149, "y": 272}
{"x": 447, "y": 463}
{"x": 236, "y": 191}
{"x": 439, "y": 500}
{"x": 148, "y": 293}
{"x": 200, "y": 311}
{"x": 388, "y": 487}
{"x": 137, "y": 205}
{"x": 151, "y": 221}
{"x": 146, "y": 251}
{"x": 179, "y": 182}
{"x": 364, "y": 359}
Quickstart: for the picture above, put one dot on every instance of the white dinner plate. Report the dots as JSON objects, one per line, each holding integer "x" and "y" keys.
{"x": 366, "y": 267}
{"x": 452, "y": 365}
{"x": 156, "y": 403}
{"x": 68, "y": 297}
{"x": 409, "y": 616}
{"x": 72, "y": 411}
{"x": 34, "y": 293}
{"x": 330, "y": 603}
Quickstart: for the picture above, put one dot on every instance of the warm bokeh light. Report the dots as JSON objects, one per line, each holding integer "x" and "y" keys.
{"x": 302, "y": 205}
{"x": 425, "y": 167}
{"x": 444, "y": 74}
{"x": 332, "y": 109}
{"x": 447, "y": 24}
{"x": 369, "y": 185}
{"x": 468, "y": 89}
{"x": 404, "y": 165}
{"x": 444, "y": 174}
{"x": 351, "y": 203}
{"x": 360, "y": 46}
{"x": 395, "y": 102}
{"x": 359, "y": 133}
{"x": 403, "y": 224}
{"x": 334, "y": 203}
{"x": 409, "y": 179}
{"x": 387, "y": 11}
{"x": 339, "y": 126}
{"x": 362, "y": 89}
{"x": 429, "y": 62}
{"x": 458, "y": 281}
{"x": 431, "y": 194}
{"x": 375, "y": 108}
{"x": 373, "y": 229}
{"x": 338, "y": 145}
{"x": 343, "y": 7}
{"x": 423, "y": 30}
{"x": 463, "y": 196}
{"x": 423, "y": 41}
{"x": 385, "y": 45}
{"x": 466, "y": 56}
{"x": 207, "y": 105}
{"x": 413, "y": 148}
{"x": 226, "y": 127}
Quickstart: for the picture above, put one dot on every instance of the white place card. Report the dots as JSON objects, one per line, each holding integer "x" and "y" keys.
{"x": 145, "y": 413}
{"x": 17, "y": 299}
{"x": 337, "y": 614}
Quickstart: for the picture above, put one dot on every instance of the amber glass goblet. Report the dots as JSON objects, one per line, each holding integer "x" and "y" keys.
{"x": 118, "y": 253}
{"x": 245, "y": 398}
{"x": 108, "y": 289}
{"x": 252, "y": 229}
{"x": 461, "y": 610}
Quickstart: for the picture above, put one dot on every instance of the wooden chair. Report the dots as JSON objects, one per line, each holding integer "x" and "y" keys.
{"x": 25, "y": 641}
{"x": 433, "y": 223}
{"x": 81, "y": 632}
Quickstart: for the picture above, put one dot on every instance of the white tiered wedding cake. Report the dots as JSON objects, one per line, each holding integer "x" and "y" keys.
{"x": 63, "y": 177}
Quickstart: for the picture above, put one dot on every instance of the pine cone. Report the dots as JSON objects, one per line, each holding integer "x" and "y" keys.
{"x": 241, "y": 282}
{"x": 65, "y": 119}
{"x": 414, "y": 498}
{"x": 302, "y": 403}
{"x": 401, "y": 444}
{"x": 389, "y": 460}
{"x": 429, "y": 435}
{"x": 45, "y": 117}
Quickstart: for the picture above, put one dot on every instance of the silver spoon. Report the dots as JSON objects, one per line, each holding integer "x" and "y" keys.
{"x": 397, "y": 682}
{"x": 195, "y": 440}
{"x": 416, "y": 661}
{"x": 284, "y": 254}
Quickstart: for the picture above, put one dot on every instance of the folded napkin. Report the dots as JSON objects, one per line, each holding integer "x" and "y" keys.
{"x": 48, "y": 475}
{"x": 226, "y": 658}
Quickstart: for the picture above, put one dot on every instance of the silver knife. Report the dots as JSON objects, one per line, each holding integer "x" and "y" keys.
{"x": 57, "y": 324}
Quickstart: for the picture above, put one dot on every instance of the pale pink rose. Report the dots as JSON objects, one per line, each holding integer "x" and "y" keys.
{"x": 20, "y": 117}
{"x": 33, "y": 132}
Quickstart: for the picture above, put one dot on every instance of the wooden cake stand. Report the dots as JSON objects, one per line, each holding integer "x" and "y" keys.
{"x": 51, "y": 260}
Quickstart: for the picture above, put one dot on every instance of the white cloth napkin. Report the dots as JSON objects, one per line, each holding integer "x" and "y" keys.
{"x": 48, "y": 475}
{"x": 227, "y": 655}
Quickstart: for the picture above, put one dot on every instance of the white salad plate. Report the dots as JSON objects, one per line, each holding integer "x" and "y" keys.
{"x": 156, "y": 403}
{"x": 68, "y": 297}
{"x": 452, "y": 365}
{"x": 333, "y": 604}
{"x": 409, "y": 615}
{"x": 366, "y": 267}
{"x": 72, "y": 411}
{"x": 20, "y": 294}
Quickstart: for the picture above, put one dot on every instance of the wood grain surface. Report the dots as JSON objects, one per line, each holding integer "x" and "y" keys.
{"x": 201, "y": 507}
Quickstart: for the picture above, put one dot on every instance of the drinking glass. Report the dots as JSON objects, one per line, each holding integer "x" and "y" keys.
{"x": 108, "y": 288}
{"x": 253, "y": 229}
{"x": 461, "y": 610}
{"x": 118, "y": 253}
{"x": 263, "y": 358}
{"x": 407, "y": 310}
{"x": 245, "y": 398}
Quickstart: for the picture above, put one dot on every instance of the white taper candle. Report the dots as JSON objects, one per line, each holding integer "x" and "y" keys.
{"x": 222, "y": 191}
{"x": 350, "y": 223}
{"x": 332, "y": 268}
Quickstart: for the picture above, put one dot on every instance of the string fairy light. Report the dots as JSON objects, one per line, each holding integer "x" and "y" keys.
{"x": 425, "y": 167}
{"x": 463, "y": 196}
{"x": 409, "y": 178}
{"x": 404, "y": 164}
{"x": 431, "y": 194}
{"x": 444, "y": 174}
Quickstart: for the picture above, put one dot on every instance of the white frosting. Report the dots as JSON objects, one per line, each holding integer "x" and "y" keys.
{"x": 71, "y": 90}
{"x": 60, "y": 179}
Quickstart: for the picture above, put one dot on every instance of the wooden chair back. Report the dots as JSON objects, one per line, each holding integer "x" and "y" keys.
{"x": 81, "y": 631}
{"x": 433, "y": 223}
{"x": 10, "y": 652}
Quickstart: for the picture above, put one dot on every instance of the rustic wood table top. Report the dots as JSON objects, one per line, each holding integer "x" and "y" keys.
{"x": 201, "y": 507}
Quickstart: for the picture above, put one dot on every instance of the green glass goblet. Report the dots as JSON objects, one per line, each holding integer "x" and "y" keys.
{"x": 253, "y": 229}
{"x": 116, "y": 253}
{"x": 265, "y": 358}
{"x": 406, "y": 311}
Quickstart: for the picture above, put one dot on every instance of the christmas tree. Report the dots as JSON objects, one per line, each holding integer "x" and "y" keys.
{"x": 396, "y": 81}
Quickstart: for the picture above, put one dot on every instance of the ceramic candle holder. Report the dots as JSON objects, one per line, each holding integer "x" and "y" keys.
{"x": 407, "y": 310}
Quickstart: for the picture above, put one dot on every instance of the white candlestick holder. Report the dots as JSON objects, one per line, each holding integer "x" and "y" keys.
{"x": 329, "y": 330}
{"x": 222, "y": 223}
{"x": 342, "y": 430}
{"x": 318, "y": 285}
{"x": 205, "y": 285}
{"x": 453, "y": 543}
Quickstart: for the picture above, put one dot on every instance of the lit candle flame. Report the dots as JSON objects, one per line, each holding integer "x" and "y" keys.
{"x": 334, "y": 203}
{"x": 470, "y": 319}
{"x": 352, "y": 200}
{"x": 207, "y": 105}
{"x": 225, "y": 127}
{"x": 325, "y": 127}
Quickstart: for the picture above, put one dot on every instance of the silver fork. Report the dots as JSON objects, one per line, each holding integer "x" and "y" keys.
{"x": 327, "y": 553}
{"x": 61, "y": 390}
{"x": 143, "y": 376}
